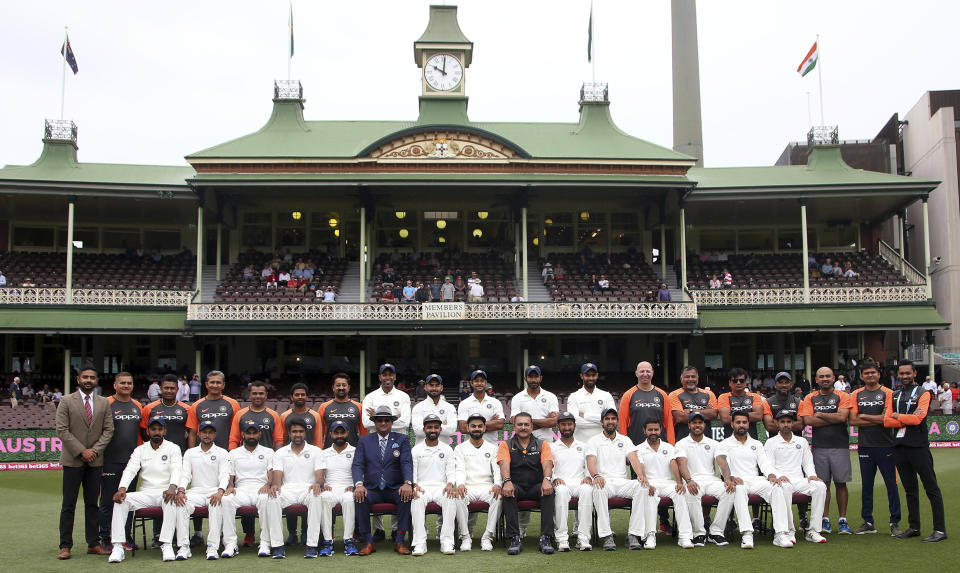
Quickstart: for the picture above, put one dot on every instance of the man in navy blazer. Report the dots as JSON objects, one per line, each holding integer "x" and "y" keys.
{"x": 383, "y": 473}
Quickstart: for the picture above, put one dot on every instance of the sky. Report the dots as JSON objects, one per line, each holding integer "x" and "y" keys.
{"x": 160, "y": 80}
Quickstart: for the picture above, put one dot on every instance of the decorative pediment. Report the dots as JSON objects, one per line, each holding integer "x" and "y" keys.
{"x": 444, "y": 144}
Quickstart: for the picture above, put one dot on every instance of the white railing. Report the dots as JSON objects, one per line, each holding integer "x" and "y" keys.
{"x": 451, "y": 311}
{"x": 820, "y": 295}
{"x": 95, "y": 296}
{"x": 893, "y": 257}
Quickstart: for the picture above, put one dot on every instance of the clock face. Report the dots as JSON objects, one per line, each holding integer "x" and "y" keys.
{"x": 443, "y": 72}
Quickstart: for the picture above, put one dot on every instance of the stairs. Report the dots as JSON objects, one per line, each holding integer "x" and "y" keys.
{"x": 209, "y": 281}
{"x": 350, "y": 287}
{"x": 535, "y": 289}
{"x": 676, "y": 293}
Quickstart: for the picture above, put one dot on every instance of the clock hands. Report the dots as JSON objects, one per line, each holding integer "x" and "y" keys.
{"x": 439, "y": 70}
{"x": 444, "y": 70}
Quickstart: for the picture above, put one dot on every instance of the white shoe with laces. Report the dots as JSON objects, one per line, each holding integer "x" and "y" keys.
{"x": 815, "y": 537}
{"x": 486, "y": 544}
{"x": 782, "y": 540}
{"x": 466, "y": 543}
{"x": 184, "y": 553}
{"x": 116, "y": 555}
{"x": 746, "y": 541}
{"x": 651, "y": 541}
{"x": 166, "y": 552}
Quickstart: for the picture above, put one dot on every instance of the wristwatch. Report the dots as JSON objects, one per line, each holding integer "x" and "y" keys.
{"x": 407, "y": 482}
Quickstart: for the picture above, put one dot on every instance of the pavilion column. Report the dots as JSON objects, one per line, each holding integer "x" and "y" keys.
{"x": 683, "y": 253}
{"x": 663, "y": 252}
{"x": 197, "y": 359}
{"x": 931, "y": 355}
{"x": 523, "y": 252}
{"x": 66, "y": 368}
{"x": 363, "y": 365}
{"x": 199, "y": 250}
{"x": 806, "y": 254}
{"x": 71, "y": 203}
{"x": 903, "y": 247}
{"x": 523, "y": 367}
{"x": 926, "y": 245}
{"x": 219, "y": 247}
{"x": 517, "y": 247}
{"x": 806, "y": 364}
{"x": 363, "y": 276}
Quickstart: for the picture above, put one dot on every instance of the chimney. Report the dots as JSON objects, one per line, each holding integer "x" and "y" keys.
{"x": 687, "y": 125}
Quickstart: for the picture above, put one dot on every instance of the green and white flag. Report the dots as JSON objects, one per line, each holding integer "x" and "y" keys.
{"x": 809, "y": 62}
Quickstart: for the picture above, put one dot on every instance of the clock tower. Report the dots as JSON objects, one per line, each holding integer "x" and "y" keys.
{"x": 443, "y": 53}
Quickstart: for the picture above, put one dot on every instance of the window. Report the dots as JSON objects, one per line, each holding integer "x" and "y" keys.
{"x": 161, "y": 240}
{"x": 120, "y": 238}
{"x": 88, "y": 237}
{"x": 33, "y": 236}
{"x": 839, "y": 237}
{"x": 755, "y": 240}
{"x": 256, "y": 230}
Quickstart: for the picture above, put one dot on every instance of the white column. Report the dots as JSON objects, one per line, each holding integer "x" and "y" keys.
{"x": 807, "y": 369}
{"x": 686, "y": 356}
{"x": 523, "y": 252}
{"x": 197, "y": 359}
{"x": 805, "y": 255}
{"x": 219, "y": 247}
{"x": 683, "y": 257}
{"x": 663, "y": 251}
{"x": 363, "y": 368}
{"x": 199, "y": 247}
{"x": 526, "y": 362}
{"x": 71, "y": 201}
{"x": 363, "y": 267}
{"x": 926, "y": 246}
{"x": 903, "y": 249}
{"x": 931, "y": 355}
{"x": 517, "y": 247}
{"x": 66, "y": 365}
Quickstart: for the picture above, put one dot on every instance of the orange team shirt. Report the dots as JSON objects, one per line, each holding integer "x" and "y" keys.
{"x": 176, "y": 417}
{"x": 636, "y": 406}
{"x": 221, "y": 412}
{"x": 724, "y": 402}
{"x": 271, "y": 427}
{"x": 349, "y": 412}
{"x": 676, "y": 404}
{"x": 503, "y": 452}
{"x": 902, "y": 420}
{"x": 312, "y": 420}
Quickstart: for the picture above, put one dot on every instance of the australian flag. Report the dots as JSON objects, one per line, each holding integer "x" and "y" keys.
{"x": 67, "y": 52}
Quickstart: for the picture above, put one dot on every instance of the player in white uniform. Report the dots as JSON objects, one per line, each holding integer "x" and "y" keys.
{"x": 793, "y": 462}
{"x": 480, "y": 403}
{"x": 695, "y": 458}
{"x": 250, "y": 475}
{"x": 297, "y": 478}
{"x": 742, "y": 455}
{"x": 588, "y": 403}
{"x": 437, "y": 405}
{"x": 607, "y": 456}
{"x": 539, "y": 403}
{"x": 338, "y": 489}
{"x": 159, "y": 463}
{"x": 477, "y": 479}
{"x": 570, "y": 480}
{"x": 206, "y": 468}
{"x": 434, "y": 472}
{"x": 657, "y": 470}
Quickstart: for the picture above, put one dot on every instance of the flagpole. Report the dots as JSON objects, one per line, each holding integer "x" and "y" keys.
{"x": 809, "y": 113}
{"x": 63, "y": 71}
{"x": 290, "y": 26}
{"x": 593, "y": 59}
{"x": 820, "y": 78}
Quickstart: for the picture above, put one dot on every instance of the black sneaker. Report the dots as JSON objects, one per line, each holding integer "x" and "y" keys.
{"x": 718, "y": 540}
{"x": 545, "y": 546}
{"x": 196, "y": 540}
{"x": 515, "y": 546}
{"x": 699, "y": 540}
{"x": 935, "y": 537}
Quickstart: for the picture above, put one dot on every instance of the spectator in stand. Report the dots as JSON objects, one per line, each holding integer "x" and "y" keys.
{"x": 44, "y": 394}
{"x": 409, "y": 292}
{"x": 194, "y": 388}
{"x": 267, "y": 271}
{"x": 827, "y": 268}
{"x": 56, "y": 396}
{"x": 603, "y": 284}
{"x": 594, "y": 283}
{"x": 559, "y": 273}
{"x": 388, "y": 296}
{"x": 309, "y": 270}
{"x": 329, "y": 295}
{"x": 727, "y": 278}
{"x": 183, "y": 389}
{"x": 476, "y": 291}
{"x": 837, "y": 271}
{"x": 955, "y": 391}
{"x": 3, "y": 279}
{"x": 715, "y": 282}
{"x": 28, "y": 282}
{"x": 663, "y": 295}
{"x": 849, "y": 272}
{"x": 15, "y": 393}
{"x": 651, "y": 296}
{"x": 517, "y": 298}
{"x": 811, "y": 261}
{"x": 447, "y": 290}
{"x": 930, "y": 385}
{"x": 423, "y": 293}
{"x": 460, "y": 286}
{"x": 272, "y": 279}
{"x": 283, "y": 277}
{"x": 435, "y": 288}
{"x": 27, "y": 390}
{"x": 249, "y": 274}
{"x": 298, "y": 268}
{"x": 153, "y": 392}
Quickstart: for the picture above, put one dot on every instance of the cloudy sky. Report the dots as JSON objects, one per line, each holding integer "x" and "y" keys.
{"x": 160, "y": 80}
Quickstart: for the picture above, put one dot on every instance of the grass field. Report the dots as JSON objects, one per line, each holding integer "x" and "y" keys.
{"x": 32, "y": 505}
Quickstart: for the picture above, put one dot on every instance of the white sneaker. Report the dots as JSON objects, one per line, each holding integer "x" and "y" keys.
{"x": 782, "y": 540}
{"x": 466, "y": 544}
{"x": 212, "y": 554}
{"x": 651, "y": 541}
{"x": 184, "y": 553}
{"x": 117, "y": 555}
{"x": 264, "y": 551}
{"x": 685, "y": 544}
{"x": 563, "y": 545}
{"x": 583, "y": 545}
{"x": 486, "y": 544}
{"x": 814, "y": 537}
{"x": 419, "y": 550}
{"x": 166, "y": 551}
{"x": 746, "y": 541}
{"x": 447, "y": 548}
{"x": 229, "y": 551}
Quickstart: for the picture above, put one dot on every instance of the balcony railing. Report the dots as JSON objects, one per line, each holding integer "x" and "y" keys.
{"x": 826, "y": 295}
{"x": 442, "y": 311}
{"x": 95, "y": 297}
{"x": 906, "y": 269}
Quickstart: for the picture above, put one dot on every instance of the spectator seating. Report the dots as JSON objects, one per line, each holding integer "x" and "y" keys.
{"x": 496, "y": 275}
{"x": 106, "y": 271}
{"x": 631, "y": 278}
{"x": 233, "y": 288}
{"x": 786, "y": 271}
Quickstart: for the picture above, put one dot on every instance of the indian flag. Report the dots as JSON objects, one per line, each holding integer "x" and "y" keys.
{"x": 809, "y": 62}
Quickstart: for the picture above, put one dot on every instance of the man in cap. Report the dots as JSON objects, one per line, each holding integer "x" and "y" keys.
{"x": 159, "y": 464}
{"x": 526, "y": 468}
{"x": 607, "y": 456}
{"x": 695, "y": 460}
{"x": 383, "y": 473}
{"x": 481, "y": 403}
{"x": 250, "y": 476}
{"x": 206, "y": 469}
{"x": 690, "y": 398}
{"x": 433, "y": 481}
{"x": 782, "y": 400}
{"x": 434, "y": 405}
{"x": 539, "y": 403}
{"x": 793, "y": 464}
{"x": 655, "y": 464}
{"x": 297, "y": 478}
{"x": 570, "y": 480}
{"x": 588, "y": 403}
{"x": 477, "y": 479}
{"x": 338, "y": 489}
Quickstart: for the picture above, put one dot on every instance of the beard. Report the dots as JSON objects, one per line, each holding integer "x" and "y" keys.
{"x": 653, "y": 437}
{"x": 340, "y": 441}
{"x": 476, "y": 435}
{"x": 566, "y": 434}
{"x": 156, "y": 439}
{"x": 740, "y": 431}
{"x": 432, "y": 435}
{"x": 251, "y": 442}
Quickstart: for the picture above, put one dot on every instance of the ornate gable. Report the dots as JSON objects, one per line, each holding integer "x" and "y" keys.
{"x": 444, "y": 144}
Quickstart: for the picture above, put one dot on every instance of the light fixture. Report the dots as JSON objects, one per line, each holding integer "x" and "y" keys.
{"x": 441, "y": 239}
{"x": 536, "y": 241}
{"x": 401, "y": 214}
{"x": 548, "y": 221}
{"x": 296, "y": 215}
{"x": 478, "y": 232}
{"x": 336, "y": 232}
{"x": 333, "y": 222}
{"x": 584, "y": 215}
{"x": 483, "y": 214}
{"x": 404, "y": 233}
{"x": 441, "y": 224}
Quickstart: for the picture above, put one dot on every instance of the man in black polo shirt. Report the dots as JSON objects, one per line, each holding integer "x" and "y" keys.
{"x": 526, "y": 467}
{"x": 170, "y": 409}
{"x": 127, "y": 413}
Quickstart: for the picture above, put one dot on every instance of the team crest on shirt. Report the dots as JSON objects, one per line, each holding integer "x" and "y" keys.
{"x": 260, "y": 457}
{"x": 798, "y": 446}
{"x": 266, "y": 420}
{"x": 544, "y": 399}
{"x": 177, "y": 412}
{"x": 306, "y": 455}
{"x": 664, "y": 452}
{"x": 486, "y": 455}
{"x": 753, "y": 447}
{"x": 397, "y": 403}
{"x": 349, "y": 456}
{"x": 656, "y": 399}
{"x": 213, "y": 458}
{"x": 489, "y": 405}
{"x": 579, "y": 449}
{"x": 441, "y": 455}
{"x": 441, "y": 410}
{"x": 163, "y": 458}
{"x": 223, "y": 408}
{"x": 600, "y": 402}
{"x": 396, "y": 453}
{"x": 706, "y": 447}
{"x": 350, "y": 410}
{"x": 619, "y": 444}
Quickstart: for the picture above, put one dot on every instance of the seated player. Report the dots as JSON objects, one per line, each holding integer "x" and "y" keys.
{"x": 338, "y": 489}
{"x": 433, "y": 478}
{"x": 478, "y": 479}
{"x": 656, "y": 467}
{"x": 206, "y": 468}
{"x": 250, "y": 475}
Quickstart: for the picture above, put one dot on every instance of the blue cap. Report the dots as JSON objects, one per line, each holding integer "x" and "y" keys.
{"x": 387, "y": 366}
{"x": 609, "y": 411}
{"x": 248, "y": 424}
{"x": 431, "y": 418}
{"x": 533, "y": 368}
{"x": 588, "y": 367}
{"x": 157, "y": 420}
{"x": 567, "y": 416}
{"x": 339, "y": 425}
{"x": 433, "y": 377}
{"x": 207, "y": 424}
{"x": 697, "y": 414}
{"x": 476, "y": 373}
{"x": 784, "y": 375}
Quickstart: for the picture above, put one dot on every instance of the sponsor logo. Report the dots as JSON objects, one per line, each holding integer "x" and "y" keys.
{"x": 639, "y": 404}
{"x": 335, "y": 416}
{"x": 831, "y": 407}
{"x": 872, "y": 403}
{"x": 117, "y": 416}
{"x": 396, "y": 453}
{"x": 214, "y": 415}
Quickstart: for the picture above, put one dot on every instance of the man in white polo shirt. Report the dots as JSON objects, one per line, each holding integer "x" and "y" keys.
{"x": 297, "y": 478}
{"x": 570, "y": 480}
{"x": 206, "y": 468}
{"x": 607, "y": 455}
{"x": 436, "y": 405}
{"x": 793, "y": 462}
{"x": 479, "y": 402}
{"x": 588, "y": 403}
{"x": 338, "y": 489}
{"x": 477, "y": 479}
{"x": 657, "y": 470}
{"x": 249, "y": 478}
{"x": 434, "y": 472}
{"x": 539, "y": 403}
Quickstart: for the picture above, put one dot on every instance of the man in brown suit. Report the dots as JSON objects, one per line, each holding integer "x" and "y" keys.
{"x": 85, "y": 427}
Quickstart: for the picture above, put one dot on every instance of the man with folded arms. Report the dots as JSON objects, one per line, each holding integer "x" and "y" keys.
{"x": 657, "y": 471}
{"x": 433, "y": 479}
{"x": 570, "y": 480}
{"x": 250, "y": 475}
{"x": 477, "y": 479}
{"x": 206, "y": 468}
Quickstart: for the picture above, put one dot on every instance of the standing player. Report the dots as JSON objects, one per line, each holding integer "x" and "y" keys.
{"x": 478, "y": 479}
{"x": 171, "y": 410}
{"x": 127, "y": 413}
{"x": 481, "y": 403}
{"x": 271, "y": 430}
{"x": 739, "y": 456}
{"x": 690, "y": 398}
{"x": 215, "y": 407}
{"x": 607, "y": 455}
{"x": 907, "y": 413}
{"x": 793, "y": 463}
{"x": 783, "y": 400}
{"x": 874, "y": 446}
{"x": 434, "y": 404}
{"x": 250, "y": 477}
{"x": 539, "y": 403}
{"x": 342, "y": 409}
{"x": 643, "y": 402}
{"x": 298, "y": 411}
{"x": 338, "y": 489}
{"x": 739, "y": 400}
{"x": 828, "y": 411}
{"x": 570, "y": 480}
{"x": 433, "y": 478}
{"x": 655, "y": 463}
{"x": 695, "y": 460}
{"x": 206, "y": 469}
{"x": 588, "y": 403}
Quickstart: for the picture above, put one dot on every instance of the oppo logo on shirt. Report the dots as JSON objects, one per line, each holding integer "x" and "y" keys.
{"x": 873, "y": 403}
{"x": 126, "y": 416}
{"x": 214, "y": 415}
{"x": 639, "y": 404}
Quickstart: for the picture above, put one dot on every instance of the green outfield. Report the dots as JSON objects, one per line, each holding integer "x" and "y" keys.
{"x": 32, "y": 505}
